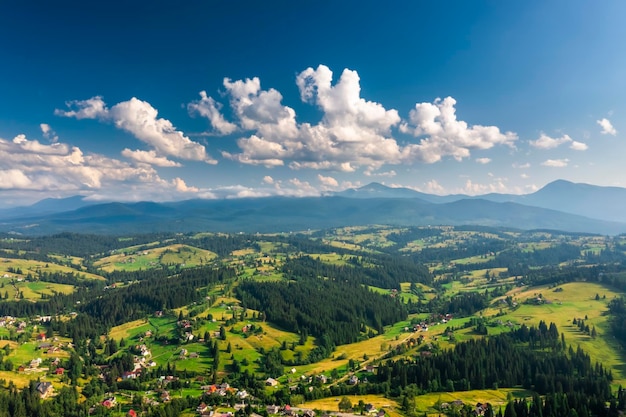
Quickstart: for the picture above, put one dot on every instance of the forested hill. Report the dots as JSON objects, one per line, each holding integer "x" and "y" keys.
{"x": 282, "y": 214}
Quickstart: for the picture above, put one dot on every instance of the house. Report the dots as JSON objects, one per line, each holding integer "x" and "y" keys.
{"x": 109, "y": 402}
{"x": 481, "y": 408}
{"x": 271, "y": 382}
{"x": 369, "y": 408}
{"x": 353, "y": 380}
{"x": 131, "y": 413}
{"x": 59, "y": 371}
{"x": 35, "y": 363}
{"x": 41, "y": 337}
{"x": 129, "y": 375}
{"x": 202, "y": 408}
{"x": 309, "y": 413}
{"x": 273, "y": 409}
{"x": 45, "y": 389}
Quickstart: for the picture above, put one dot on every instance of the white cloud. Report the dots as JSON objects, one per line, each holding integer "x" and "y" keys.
{"x": 261, "y": 111}
{"x": 483, "y": 161}
{"x": 524, "y": 176}
{"x": 328, "y": 182}
{"x": 370, "y": 173}
{"x": 352, "y": 133}
{"x": 208, "y": 108}
{"x": 180, "y": 186}
{"x": 48, "y": 133}
{"x": 556, "y": 163}
{"x": 578, "y": 146}
{"x": 521, "y": 166}
{"x": 93, "y": 108}
{"x": 149, "y": 157}
{"x": 302, "y": 188}
{"x": 31, "y": 165}
{"x": 498, "y": 186}
{"x": 607, "y": 127}
{"x": 14, "y": 178}
{"x": 444, "y": 135}
{"x": 546, "y": 142}
{"x": 140, "y": 119}
{"x": 433, "y": 187}
{"x": 268, "y": 180}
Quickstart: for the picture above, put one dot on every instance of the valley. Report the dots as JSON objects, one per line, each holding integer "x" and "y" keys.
{"x": 242, "y": 322}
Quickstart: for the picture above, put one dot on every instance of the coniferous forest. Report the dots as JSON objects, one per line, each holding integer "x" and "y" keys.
{"x": 160, "y": 323}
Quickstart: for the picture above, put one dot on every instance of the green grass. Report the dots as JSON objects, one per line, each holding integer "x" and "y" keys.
{"x": 426, "y": 403}
{"x": 576, "y": 300}
{"x": 155, "y": 257}
{"x": 31, "y": 266}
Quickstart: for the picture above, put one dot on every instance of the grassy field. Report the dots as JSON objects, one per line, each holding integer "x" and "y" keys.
{"x": 331, "y": 404}
{"x": 575, "y": 300}
{"x": 134, "y": 260}
{"x": 427, "y": 403}
{"x": 33, "y": 290}
{"x": 30, "y": 266}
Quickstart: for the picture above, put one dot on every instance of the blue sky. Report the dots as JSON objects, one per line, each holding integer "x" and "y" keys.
{"x": 145, "y": 100}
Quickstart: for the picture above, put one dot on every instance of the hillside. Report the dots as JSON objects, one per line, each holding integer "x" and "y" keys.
{"x": 282, "y": 214}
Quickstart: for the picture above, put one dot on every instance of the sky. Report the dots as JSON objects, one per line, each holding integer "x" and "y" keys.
{"x": 157, "y": 100}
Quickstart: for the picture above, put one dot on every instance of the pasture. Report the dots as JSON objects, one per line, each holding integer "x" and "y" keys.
{"x": 155, "y": 257}
{"x": 562, "y": 305}
{"x": 29, "y": 266}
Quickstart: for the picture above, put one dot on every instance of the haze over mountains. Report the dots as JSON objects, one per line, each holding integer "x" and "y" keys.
{"x": 560, "y": 205}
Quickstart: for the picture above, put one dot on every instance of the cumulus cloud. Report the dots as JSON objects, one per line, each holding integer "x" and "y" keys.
{"x": 48, "y": 133}
{"x": 497, "y": 186}
{"x": 546, "y": 142}
{"x": 353, "y": 132}
{"x": 607, "y": 127}
{"x": 389, "y": 174}
{"x": 434, "y": 187}
{"x": 149, "y": 157}
{"x": 208, "y": 108}
{"x": 31, "y": 165}
{"x": 302, "y": 188}
{"x": 578, "y": 146}
{"x": 328, "y": 182}
{"x": 180, "y": 186}
{"x": 444, "y": 135}
{"x": 261, "y": 111}
{"x": 268, "y": 180}
{"x": 521, "y": 166}
{"x": 93, "y": 108}
{"x": 483, "y": 161}
{"x": 556, "y": 163}
{"x": 14, "y": 179}
{"x": 141, "y": 120}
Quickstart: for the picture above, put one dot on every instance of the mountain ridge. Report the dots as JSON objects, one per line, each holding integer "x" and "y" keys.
{"x": 561, "y": 205}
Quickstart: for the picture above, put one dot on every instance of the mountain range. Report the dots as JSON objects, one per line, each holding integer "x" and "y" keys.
{"x": 560, "y": 205}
